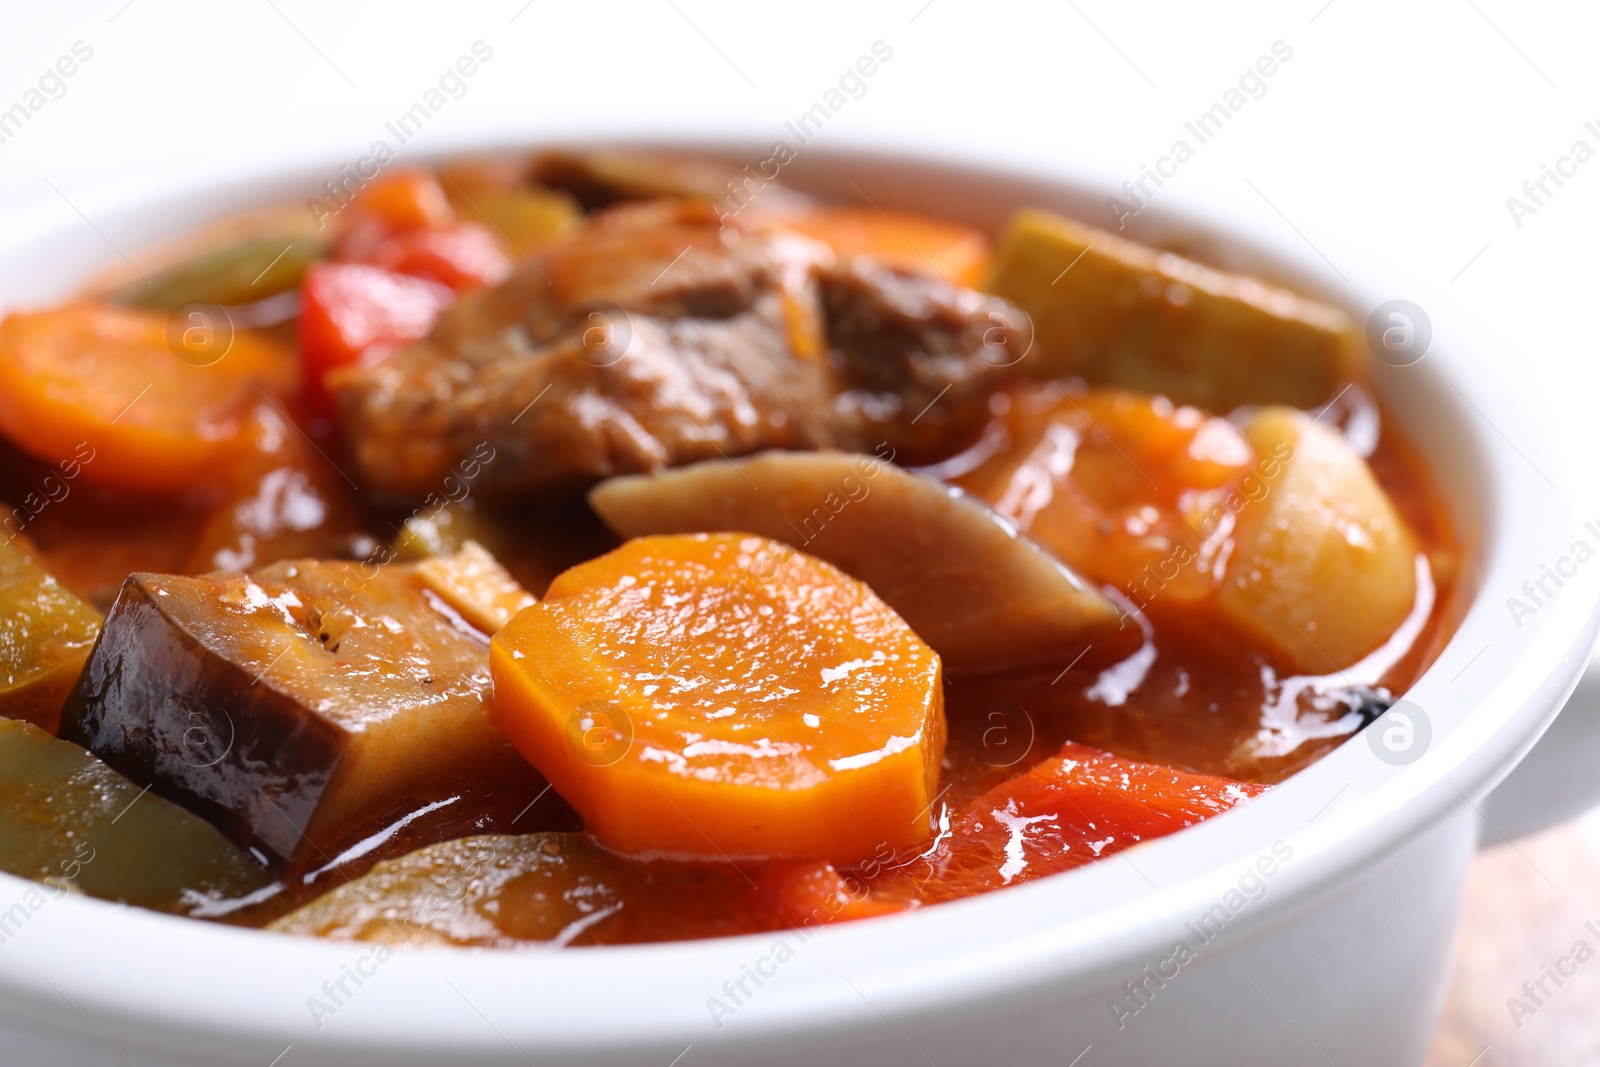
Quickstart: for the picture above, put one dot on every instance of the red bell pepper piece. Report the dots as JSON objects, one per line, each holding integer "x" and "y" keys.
{"x": 1078, "y": 806}
{"x": 404, "y": 223}
{"x": 810, "y": 893}
{"x": 462, "y": 255}
{"x": 397, "y": 203}
{"x": 351, "y": 311}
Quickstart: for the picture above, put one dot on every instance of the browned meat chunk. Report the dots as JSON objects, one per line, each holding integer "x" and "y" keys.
{"x": 648, "y": 342}
{"x": 657, "y": 337}
{"x": 915, "y": 358}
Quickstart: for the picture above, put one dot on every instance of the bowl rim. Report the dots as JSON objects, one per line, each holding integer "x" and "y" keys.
{"x": 996, "y": 953}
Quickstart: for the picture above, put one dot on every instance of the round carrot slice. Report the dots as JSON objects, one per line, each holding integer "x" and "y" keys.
{"x": 959, "y": 254}
{"x": 724, "y": 696}
{"x": 159, "y": 402}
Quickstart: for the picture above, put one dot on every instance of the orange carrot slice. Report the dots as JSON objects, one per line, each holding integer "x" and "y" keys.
{"x": 140, "y": 390}
{"x": 959, "y": 254}
{"x": 723, "y": 696}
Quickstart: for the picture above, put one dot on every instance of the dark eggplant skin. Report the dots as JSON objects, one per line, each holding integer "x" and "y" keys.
{"x": 283, "y": 704}
{"x": 158, "y": 706}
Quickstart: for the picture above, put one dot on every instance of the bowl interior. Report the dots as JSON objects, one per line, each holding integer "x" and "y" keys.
{"x": 1478, "y": 425}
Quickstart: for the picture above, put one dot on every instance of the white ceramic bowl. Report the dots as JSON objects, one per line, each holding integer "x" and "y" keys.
{"x": 1338, "y": 955}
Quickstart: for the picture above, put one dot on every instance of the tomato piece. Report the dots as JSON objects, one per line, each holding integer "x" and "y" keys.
{"x": 409, "y": 200}
{"x": 810, "y": 893}
{"x": 1128, "y": 489}
{"x": 347, "y": 309}
{"x": 399, "y": 203}
{"x": 405, "y": 223}
{"x": 1080, "y": 805}
{"x": 462, "y": 255}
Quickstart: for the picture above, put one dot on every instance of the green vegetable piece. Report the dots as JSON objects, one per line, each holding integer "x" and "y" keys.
{"x": 1115, "y": 312}
{"x": 46, "y": 634}
{"x": 240, "y": 273}
{"x": 69, "y": 820}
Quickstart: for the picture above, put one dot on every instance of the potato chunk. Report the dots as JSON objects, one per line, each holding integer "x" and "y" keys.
{"x": 721, "y": 695}
{"x": 475, "y": 584}
{"x": 1324, "y": 568}
{"x": 69, "y": 820}
{"x": 959, "y": 574}
{"x": 280, "y": 704}
{"x": 1115, "y": 312}
{"x": 45, "y": 636}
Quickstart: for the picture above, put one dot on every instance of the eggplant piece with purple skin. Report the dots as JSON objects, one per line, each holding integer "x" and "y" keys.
{"x": 280, "y": 705}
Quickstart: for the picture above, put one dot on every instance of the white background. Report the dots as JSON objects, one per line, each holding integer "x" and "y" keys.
{"x": 1400, "y": 126}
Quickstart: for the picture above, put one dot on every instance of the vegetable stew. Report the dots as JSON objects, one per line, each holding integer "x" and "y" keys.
{"x": 536, "y": 550}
